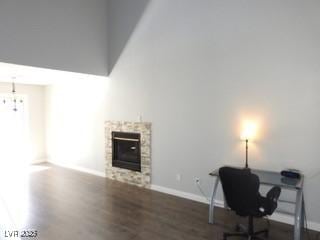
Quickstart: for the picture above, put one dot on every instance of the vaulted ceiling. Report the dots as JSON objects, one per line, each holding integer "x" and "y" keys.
{"x": 71, "y": 35}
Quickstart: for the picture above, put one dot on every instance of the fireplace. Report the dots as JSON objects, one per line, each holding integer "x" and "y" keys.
{"x": 116, "y": 129}
{"x": 126, "y": 152}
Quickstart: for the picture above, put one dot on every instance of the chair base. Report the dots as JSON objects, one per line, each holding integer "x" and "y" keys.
{"x": 247, "y": 233}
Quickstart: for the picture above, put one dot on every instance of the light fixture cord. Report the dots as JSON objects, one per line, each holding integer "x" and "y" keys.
{"x": 13, "y": 88}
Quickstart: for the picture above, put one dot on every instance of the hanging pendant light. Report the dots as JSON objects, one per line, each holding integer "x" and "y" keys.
{"x": 14, "y": 97}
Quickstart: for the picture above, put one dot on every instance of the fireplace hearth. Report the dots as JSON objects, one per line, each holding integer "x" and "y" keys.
{"x": 126, "y": 151}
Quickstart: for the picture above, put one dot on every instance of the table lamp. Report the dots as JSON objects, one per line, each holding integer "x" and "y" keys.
{"x": 248, "y": 133}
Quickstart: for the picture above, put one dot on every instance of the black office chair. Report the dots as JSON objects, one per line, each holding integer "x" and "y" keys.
{"x": 241, "y": 191}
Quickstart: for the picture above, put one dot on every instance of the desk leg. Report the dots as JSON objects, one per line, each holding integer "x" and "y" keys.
{"x": 211, "y": 208}
{"x": 299, "y": 215}
{"x": 303, "y": 213}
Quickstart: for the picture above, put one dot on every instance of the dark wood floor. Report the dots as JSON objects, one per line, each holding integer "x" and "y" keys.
{"x": 64, "y": 204}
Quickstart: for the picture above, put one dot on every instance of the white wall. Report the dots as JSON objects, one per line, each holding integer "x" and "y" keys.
{"x": 35, "y": 104}
{"x": 67, "y": 35}
{"x": 196, "y": 69}
{"x": 75, "y": 113}
{"x": 123, "y": 16}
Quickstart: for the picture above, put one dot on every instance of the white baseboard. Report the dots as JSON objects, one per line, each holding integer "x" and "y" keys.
{"x": 178, "y": 193}
{"x": 314, "y": 226}
{"x": 278, "y": 217}
{"x": 80, "y": 169}
{"x": 40, "y": 160}
{"x": 288, "y": 219}
{"x": 186, "y": 195}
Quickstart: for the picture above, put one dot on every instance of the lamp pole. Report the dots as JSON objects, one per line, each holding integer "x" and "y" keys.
{"x": 246, "y": 153}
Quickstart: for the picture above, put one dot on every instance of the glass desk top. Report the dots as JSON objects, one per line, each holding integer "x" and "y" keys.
{"x": 272, "y": 178}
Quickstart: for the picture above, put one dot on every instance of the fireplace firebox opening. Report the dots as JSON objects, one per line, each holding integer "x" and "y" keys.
{"x": 126, "y": 152}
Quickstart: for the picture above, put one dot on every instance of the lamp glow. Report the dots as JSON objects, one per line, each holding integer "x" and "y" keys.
{"x": 249, "y": 130}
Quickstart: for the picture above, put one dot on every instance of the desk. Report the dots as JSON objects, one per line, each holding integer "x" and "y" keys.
{"x": 272, "y": 179}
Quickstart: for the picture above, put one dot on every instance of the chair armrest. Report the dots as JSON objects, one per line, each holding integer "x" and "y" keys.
{"x": 269, "y": 203}
{"x": 274, "y": 194}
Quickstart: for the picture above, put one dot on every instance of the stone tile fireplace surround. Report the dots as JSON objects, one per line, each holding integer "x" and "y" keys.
{"x": 143, "y": 178}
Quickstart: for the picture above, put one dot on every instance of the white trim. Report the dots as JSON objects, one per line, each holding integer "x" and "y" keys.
{"x": 314, "y": 226}
{"x": 288, "y": 219}
{"x": 279, "y": 217}
{"x": 186, "y": 195}
{"x": 80, "y": 169}
{"x": 39, "y": 160}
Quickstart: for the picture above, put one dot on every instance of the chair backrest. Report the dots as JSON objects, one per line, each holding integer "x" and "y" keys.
{"x": 241, "y": 189}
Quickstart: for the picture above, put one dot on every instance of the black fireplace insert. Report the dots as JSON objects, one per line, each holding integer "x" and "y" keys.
{"x": 126, "y": 152}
